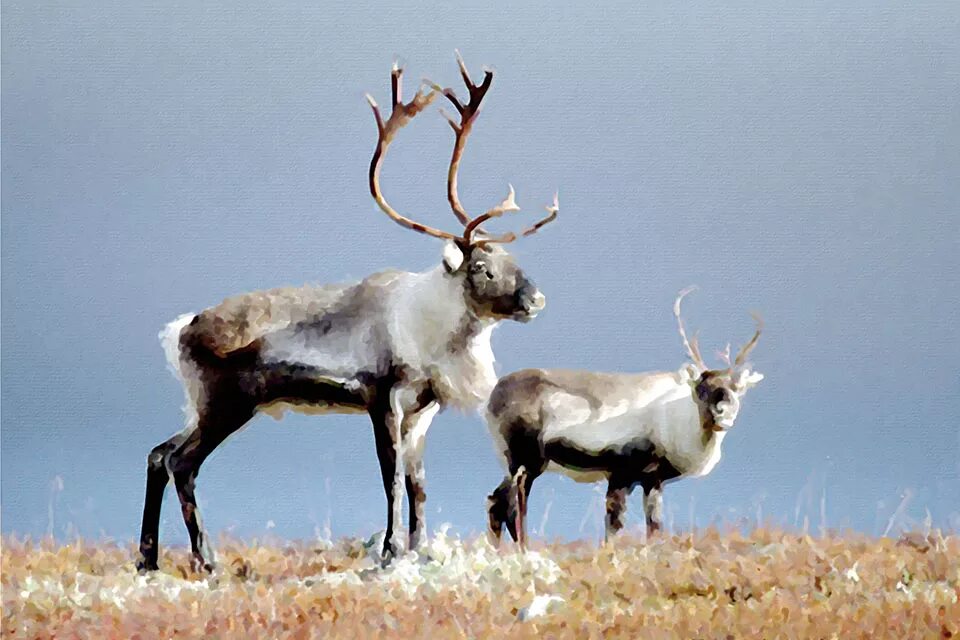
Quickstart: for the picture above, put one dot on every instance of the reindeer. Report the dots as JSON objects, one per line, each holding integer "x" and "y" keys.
{"x": 397, "y": 346}
{"x": 628, "y": 429}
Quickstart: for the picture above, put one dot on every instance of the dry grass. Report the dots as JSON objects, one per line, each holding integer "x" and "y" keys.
{"x": 768, "y": 584}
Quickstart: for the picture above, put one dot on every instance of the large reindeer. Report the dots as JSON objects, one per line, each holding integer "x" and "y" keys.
{"x": 627, "y": 429}
{"x": 398, "y": 346}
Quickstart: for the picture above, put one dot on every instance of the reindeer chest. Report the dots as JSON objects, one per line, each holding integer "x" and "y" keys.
{"x": 462, "y": 379}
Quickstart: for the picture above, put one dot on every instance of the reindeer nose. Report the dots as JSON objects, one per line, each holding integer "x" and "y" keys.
{"x": 539, "y": 301}
{"x": 531, "y": 301}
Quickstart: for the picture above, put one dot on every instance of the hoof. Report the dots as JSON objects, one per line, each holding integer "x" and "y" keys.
{"x": 386, "y": 559}
{"x": 145, "y": 565}
{"x": 200, "y": 565}
{"x": 146, "y": 562}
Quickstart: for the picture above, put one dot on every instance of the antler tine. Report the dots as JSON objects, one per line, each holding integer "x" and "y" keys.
{"x": 725, "y": 356}
{"x": 400, "y": 114}
{"x": 554, "y": 209}
{"x": 508, "y": 204}
{"x": 747, "y": 348}
{"x": 692, "y": 347}
{"x": 468, "y": 113}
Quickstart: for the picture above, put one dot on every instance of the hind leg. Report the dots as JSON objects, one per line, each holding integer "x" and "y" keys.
{"x": 216, "y": 422}
{"x": 157, "y": 479}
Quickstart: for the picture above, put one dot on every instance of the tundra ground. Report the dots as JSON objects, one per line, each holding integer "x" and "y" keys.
{"x": 713, "y": 584}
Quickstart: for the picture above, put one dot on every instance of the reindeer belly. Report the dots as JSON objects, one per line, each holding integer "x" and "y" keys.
{"x": 578, "y": 475}
{"x": 287, "y": 386}
{"x": 276, "y": 409}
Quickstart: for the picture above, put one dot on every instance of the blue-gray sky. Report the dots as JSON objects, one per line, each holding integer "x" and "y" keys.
{"x": 800, "y": 159}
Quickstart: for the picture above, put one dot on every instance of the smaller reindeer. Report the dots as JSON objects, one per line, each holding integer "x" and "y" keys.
{"x": 628, "y": 429}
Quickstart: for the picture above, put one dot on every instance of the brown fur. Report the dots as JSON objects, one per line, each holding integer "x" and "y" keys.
{"x": 239, "y": 321}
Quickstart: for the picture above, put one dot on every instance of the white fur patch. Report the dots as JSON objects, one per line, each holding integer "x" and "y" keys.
{"x": 425, "y": 315}
{"x": 452, "y": 256}
{"x": 183, "y": 370}
{"x": 416, "y": 433}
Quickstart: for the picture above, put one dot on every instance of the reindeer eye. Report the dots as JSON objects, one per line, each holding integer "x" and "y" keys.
{"x": 718, "y": 396}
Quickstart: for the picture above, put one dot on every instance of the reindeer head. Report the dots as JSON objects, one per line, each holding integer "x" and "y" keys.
{"x": 494, "y": 285}
{"x": 718, "y": 392}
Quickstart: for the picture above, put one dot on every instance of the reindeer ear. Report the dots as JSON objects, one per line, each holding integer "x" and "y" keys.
{"x": 452, "y": 256}
{"x": 747, "y": 379}
{"x": 690, "y": 374}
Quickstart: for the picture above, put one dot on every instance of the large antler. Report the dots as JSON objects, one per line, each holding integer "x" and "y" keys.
{"x": 693, "y": 349}
{"x": 400, "y": 114}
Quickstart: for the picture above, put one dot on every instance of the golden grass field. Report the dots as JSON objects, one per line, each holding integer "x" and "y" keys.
{"x": 766, "y": 584}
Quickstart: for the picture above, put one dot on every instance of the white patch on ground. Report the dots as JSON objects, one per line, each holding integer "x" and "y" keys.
{"x": 444, "y": 563}
{"x": 541, "y": 606}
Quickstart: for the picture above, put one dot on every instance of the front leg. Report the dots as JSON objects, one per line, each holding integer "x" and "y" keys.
{"x": 386, "y": 433}
{"x": 653, "y": 507}
{"x": 387, "y": 414}
{"x": 618, "y": 489}
{"x": 415, "y": 428}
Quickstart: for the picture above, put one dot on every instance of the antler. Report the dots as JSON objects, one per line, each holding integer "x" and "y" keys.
{"x": 725, "y": 356}
{"x": 468, "y": 113}
{"x": 553, "y": 209}
{"x": 747, "y": 348}
{"x": 693, "y": 349}
{"x": 508, "y": 204}
{"x": 400, "y": 114}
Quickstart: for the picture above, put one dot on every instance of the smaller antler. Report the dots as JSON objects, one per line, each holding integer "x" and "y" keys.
{"x": 693, "y": 349}
{"x": 747, "y": 348}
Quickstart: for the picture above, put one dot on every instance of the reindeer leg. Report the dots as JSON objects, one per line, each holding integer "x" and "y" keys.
{"x": 386, "y": 440}
{"x": 414, "y": 432}
{"x": 416, "y": 497}
{"x": 157, "y": 479}
{"x": 501, "y": 511}
{"x": 617, "y": 491}
{"x": 653, "y": 506}
{"x": 215, "y": 423}
{"x": 387, "y": 414}
{"x": 523, "y": 481}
